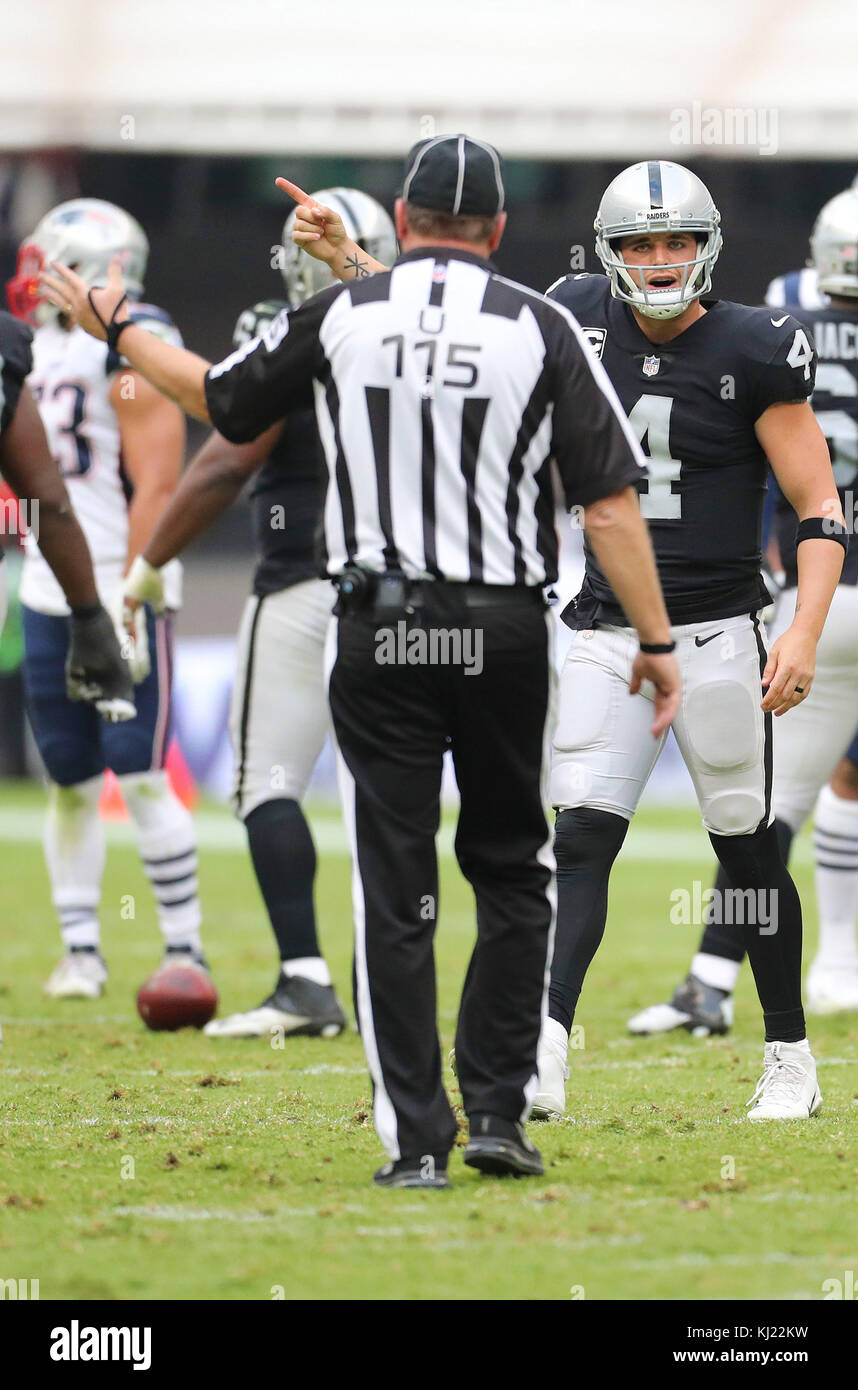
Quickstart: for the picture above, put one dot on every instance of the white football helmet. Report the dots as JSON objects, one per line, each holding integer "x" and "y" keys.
{"x": 658, "y": 196}
{"x": 834, "y": 245}
{"x": 366, "y": 222}
{"x": 84, "y": 234}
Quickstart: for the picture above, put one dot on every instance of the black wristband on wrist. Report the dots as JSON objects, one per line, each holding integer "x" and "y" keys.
{"x": 658, "y": 648}
{"x": 822, "y": 528}
{"x": 112, "y": 329}
{"x": 88, "y": 610}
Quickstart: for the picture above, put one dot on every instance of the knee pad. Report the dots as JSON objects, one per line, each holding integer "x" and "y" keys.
{"x": 583, "y": 835}
{"x": 723, "y": 724}
{"x": 734, "y": 812}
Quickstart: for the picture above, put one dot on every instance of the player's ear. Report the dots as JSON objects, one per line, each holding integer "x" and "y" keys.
{"x": 400, "y": 219}
{"x": 497, "y": 234}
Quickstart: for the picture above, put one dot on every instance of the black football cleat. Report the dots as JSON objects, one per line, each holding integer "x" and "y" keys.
{"x": 429, "y": 1171}
{"x": 700, "y": 1009}
{"x": 501, "y": 1147}
{"x": 297, "y": 1008}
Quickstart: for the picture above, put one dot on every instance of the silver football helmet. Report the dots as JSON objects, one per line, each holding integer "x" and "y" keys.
{"x": 834, "y": 245}
{"x": 366, "y": 222}
{"x": 658, "y": 196}
{"x": 85, "y": 234}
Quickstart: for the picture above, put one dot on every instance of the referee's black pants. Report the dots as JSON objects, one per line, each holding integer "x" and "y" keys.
{"x": 393, "y": 723}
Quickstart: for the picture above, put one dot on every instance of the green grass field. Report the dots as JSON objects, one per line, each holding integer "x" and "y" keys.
{"x": 138, "y": 1165}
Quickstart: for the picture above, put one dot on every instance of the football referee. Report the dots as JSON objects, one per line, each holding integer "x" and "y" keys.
{"x": 442, "y": 390}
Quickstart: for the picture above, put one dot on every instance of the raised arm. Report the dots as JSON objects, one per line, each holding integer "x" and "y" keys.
{"x": 175, "y": 372}
{"x": 320, "y": 232}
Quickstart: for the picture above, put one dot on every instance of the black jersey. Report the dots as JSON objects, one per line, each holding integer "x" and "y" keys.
{"x": 287, "y": 493}
{"x": 693, "y": 403}
{"x": 16, "y": 363}
{"x": 834, "y": 333}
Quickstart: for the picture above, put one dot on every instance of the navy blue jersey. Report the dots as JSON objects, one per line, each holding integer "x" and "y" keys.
{"x": 834, "y": 333}
{"x": 287, "y": 493}
{"x": 693, "y": 403}
{"x": 16, "y": 362}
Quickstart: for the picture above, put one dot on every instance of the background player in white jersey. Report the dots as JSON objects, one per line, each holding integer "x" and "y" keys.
{"x": 119, "y": 447}
{"x": 280, "y": 716}
{"x": 808, "y": 747}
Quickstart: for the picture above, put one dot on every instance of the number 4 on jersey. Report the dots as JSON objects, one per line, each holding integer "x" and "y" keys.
{"x": 650, "y": 419}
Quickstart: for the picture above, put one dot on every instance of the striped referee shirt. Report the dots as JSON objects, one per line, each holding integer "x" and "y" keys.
{"x": 442, "y": 390}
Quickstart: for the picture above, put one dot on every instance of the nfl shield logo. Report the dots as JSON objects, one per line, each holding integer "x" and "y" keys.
{"x": 651, "y": 365}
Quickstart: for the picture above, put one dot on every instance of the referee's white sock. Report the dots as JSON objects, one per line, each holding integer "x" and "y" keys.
{"x": 835, "y": 842}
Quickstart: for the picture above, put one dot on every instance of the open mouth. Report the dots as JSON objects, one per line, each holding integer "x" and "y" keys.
{"x": 662, "y": 281}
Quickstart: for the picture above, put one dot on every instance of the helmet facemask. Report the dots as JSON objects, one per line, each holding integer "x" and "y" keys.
{"x": 652, "y": 302}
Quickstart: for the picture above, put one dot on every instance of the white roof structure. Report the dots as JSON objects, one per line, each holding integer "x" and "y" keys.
{"x": 544, "y": 78}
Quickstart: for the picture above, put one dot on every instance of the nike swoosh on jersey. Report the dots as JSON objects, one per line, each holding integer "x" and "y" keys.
{"x": 776, "y": 323}
{"x": 701, "y": 641}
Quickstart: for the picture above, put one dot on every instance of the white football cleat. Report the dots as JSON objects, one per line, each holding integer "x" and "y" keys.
{"x": 81, "y": 974}
{"x": 832, "y": 989}
{"x": 297, "y": 1006}
{"x": 551, "y": 1056}
{"x": 698, "y": 1008}
{"x": 788, "y": 1088}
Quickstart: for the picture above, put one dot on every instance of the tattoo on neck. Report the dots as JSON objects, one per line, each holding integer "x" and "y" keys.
{"x": 360, "y": 268}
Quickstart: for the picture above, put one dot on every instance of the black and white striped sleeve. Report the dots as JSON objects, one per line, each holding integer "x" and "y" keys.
{"x": 593, "y": 443}
{"x": 270, "y": 375}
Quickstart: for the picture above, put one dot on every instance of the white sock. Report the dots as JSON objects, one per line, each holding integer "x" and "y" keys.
{"x": 168, "y": 847}
{"x": 554, "y": 1035}
{"x": 313, "y": 968}
{"x": 74, "y": 853}
{"x": 835, "y": 843}
{"x": 716, "y": 971}
{"x": 804, "y": 1045}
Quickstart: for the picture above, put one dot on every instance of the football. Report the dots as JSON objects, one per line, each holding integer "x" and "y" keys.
{"x": 177, "y": 996}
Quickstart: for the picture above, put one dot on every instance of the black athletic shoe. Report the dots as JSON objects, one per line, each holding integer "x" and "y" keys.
{"x": 698, "y": 1008}
{"x": 298, "y": 1007}
{"x": 429, "y": 1171}
{"x": 500, "y": 1147}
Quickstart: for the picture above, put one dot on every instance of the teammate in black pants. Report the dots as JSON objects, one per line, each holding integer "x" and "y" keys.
{"x": 712, "y": 389}
{"x": 279, "y": 718}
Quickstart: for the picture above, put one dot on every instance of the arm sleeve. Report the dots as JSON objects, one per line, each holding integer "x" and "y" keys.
{"x": 593, "y": 443}
{"x": 268, "y": 376}
{"x": 16, "y": 357}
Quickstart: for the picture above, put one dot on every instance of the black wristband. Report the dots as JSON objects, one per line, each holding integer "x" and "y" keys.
{"x": 88, "y": 610}
{"x": 658, "y": 648}
{"x": 113, "y": 329}
{"x": 822, "y": 528}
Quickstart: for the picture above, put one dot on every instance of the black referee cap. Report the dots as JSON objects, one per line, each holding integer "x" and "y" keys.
{"x": 456, "y": 175}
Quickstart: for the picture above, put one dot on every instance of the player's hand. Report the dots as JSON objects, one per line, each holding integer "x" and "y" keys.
{"x": 71, "y": 294}
{"x": 129, "y": 621}
{"x": 95, "y": 669}
{"x": 789, "y": 671}
{"x": 318, "y": 229}
{"x": 663, "y": 671}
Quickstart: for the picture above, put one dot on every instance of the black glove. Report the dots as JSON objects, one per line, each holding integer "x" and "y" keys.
{"x": 96, "y": 671}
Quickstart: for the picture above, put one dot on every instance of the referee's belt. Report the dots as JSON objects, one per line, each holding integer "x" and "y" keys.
{"x": 363, "y": 591}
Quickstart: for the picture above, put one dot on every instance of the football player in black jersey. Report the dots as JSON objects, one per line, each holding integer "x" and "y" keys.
{"x": 808, "y": 746}
{"x": 712, "y": 389}
{"x": 280, "y": 716}
{"x": 95, "y": 670}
